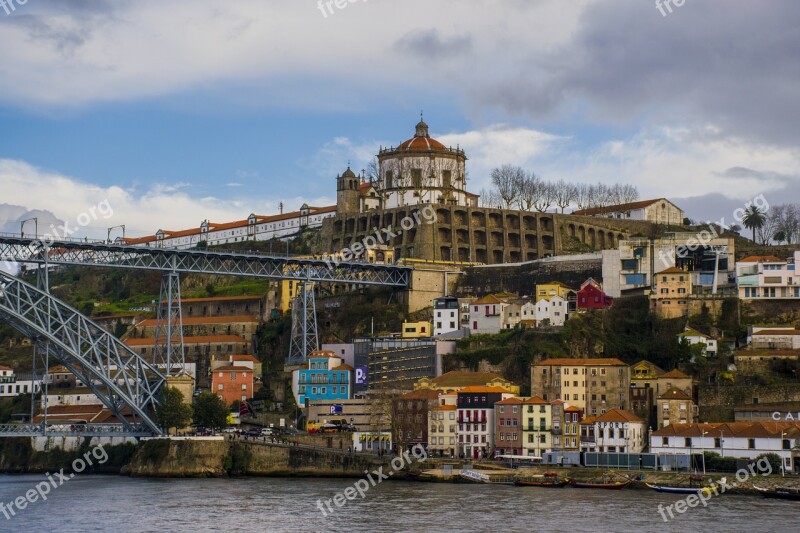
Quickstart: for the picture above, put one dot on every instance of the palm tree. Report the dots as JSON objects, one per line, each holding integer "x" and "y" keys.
{"x": 754, "y": 218}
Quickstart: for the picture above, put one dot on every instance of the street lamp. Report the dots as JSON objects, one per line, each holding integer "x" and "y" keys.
{"x": 702, "y": 450}
{"x": 783, "y": 461}
{"x": 108, "y": 238}
{"x": 22, "y": 226}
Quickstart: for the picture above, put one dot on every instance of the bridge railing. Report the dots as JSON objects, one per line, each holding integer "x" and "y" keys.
{"x": 73, "y": 430}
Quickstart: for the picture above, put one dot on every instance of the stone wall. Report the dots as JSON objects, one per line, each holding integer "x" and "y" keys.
{"x": 717, "y": 403}
{"x": 476, "y": 234}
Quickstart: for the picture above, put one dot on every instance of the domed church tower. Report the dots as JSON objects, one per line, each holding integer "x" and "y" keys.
{"x": 347, "y": 193}
{"x": 422, "y": 170}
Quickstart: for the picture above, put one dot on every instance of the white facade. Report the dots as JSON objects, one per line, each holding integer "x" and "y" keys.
{"x": 737, "y": 439}
{"x": 422, "y": 170}
{"x": 254, "y": 228}
{"x": 775, "y": 338}
{"x": 446, "y": 315}
{"x": 695, "y": 337}
{"x": 553, "y": 310}
{"x": 487, "y": 317}
{"x": 71, "y": 397}
{"x": 768, "y": 278}
{"x": 617, "y": 437}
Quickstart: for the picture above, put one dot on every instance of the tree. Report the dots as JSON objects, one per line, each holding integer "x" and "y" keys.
{"x": 529, "y": 191}
{"x": 373, "y": 170}
{"x": 210, "y": 411}
{"x": 171, "y": 410}
{"x": 565, "y": 193}
{"x": 779, "y": 236}
{"x": 583, "y": 195}
{"x": 507, "y": 180}
{"x": 546, "y": 197}
{"x": 753, "y": 219}
{"x": 786, "y": 220}
{"x": 490, "y": 199}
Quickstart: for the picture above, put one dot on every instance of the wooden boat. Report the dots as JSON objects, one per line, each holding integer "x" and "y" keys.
{"x": 783, "y": 493}
{"x": 547, "y": 483}
{"x": 681, "y": 490}
{"x": 479, "y": 477}
{"x": 616, "y": 485}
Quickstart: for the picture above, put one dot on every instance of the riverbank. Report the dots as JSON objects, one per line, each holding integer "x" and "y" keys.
{"x": 188, "y": 458}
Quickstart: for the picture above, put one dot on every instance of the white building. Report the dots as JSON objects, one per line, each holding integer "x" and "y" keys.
{"x": 768, "y": 277}
{"x": 695, "y": 337}
{"x": 253, "y": 228}
{"x": 11, "y": 385}
{"x": 658, "y": 211}
{"x": 488, "y": 314}
{"x": 446, "y": 317}
{"x": 81, "y": 396}
{"x": 552, "y": 311}
{"x": 746, "y": 440}
{"x": 773, "y": 338}
{"x": 615, "y": 431}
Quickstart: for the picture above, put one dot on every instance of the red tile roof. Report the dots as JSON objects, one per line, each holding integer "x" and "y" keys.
{"x": 232, "y": 368}
{"x": 422, "y": 394}
{"x": 632, "y": 206}
{"x": 731, "y": 429}
{"x": 618, "y": 415}
{"x": 675, "y": 374}
{"x": 777, "y": 332}
{"x": 222, "y": 298}
{"x": 761, "y": 259}
{"x": 674, "y": 394}
{"x": 510, "y": 401}
{"x": 672, "y": 270}
{"x": 535, "y": 400}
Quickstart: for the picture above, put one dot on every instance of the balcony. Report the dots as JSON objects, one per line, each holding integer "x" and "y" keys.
{"x": 556, "y": 431}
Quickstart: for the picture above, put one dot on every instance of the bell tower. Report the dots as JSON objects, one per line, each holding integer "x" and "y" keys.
{"x": 347, "y": 189}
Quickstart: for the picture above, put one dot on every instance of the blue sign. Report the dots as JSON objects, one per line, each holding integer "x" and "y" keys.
{"x": 336, "y": 409}
{"x": 361, "y": 375}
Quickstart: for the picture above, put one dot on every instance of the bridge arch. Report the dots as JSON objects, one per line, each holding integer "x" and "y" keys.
{"x": 119, "y": 377}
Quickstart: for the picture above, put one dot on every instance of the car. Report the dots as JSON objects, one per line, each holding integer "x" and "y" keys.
{"x": 253, "y": 432}
{"x": 229, "y": 429}
{"x": 267, "y": 431}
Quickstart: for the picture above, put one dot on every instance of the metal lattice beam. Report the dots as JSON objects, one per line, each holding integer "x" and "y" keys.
{"x": 26, "y": 250}
{"x": 118, "y": 376}
{"x": 304, "y": 324}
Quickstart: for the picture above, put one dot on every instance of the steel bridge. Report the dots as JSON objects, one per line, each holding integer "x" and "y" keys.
{"x": 117, "y": 375}
{"x": 100, "y": 254}
{"x": 75, "y": 430}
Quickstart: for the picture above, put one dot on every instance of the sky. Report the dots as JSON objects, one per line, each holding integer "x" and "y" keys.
{"x": 171, "y": 112}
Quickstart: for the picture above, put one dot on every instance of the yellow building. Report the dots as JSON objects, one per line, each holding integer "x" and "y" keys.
{"x": 537, "y": 427}
{"x": 416, "y": 330}
{"x": 670, "y": 299}
{"x": 554, "y": 288}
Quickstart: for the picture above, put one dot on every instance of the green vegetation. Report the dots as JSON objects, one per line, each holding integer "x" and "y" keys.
{"x": 210, "y": 411}
{"x": 172, "y": 411}
{"x": 14, "y": 405}
{"x": 237, "y": 462}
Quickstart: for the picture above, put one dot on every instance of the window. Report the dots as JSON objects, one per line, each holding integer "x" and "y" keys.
{"x": 751, "y": 444}
{"x": 219, "y": 387}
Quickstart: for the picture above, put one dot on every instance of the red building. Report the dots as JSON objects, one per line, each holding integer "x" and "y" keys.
{"x": 591, "y": 296}
{"x": 233, "y": 383}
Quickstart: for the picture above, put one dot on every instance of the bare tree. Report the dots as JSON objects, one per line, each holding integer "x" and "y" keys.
{"x": 490, "y": 198}
{"x": 546, "y": 197}
{"x": 583, "y": 195}
{"x": 374, "y": 170}
{"x": 565, "y": 193}
{"x": 622, "y": 194}
{"x": 785, "y": 219}
{"x": 507, "y": 180}
{"x": 529, "y": 191}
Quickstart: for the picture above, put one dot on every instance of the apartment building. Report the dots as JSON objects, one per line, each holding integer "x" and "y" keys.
{"x": 593, "y": 385}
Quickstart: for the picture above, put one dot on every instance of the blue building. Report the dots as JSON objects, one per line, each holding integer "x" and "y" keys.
{"x": 323, "y": 377}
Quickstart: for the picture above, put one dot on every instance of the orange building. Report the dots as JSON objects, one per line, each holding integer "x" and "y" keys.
{"x": 233, "y": 383}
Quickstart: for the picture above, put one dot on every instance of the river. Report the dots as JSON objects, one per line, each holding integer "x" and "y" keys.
{"x": 122, "y": 504}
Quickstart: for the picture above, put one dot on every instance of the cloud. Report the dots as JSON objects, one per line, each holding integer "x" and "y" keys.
{"x": 430, "y": 45}
{"x": 143, "y": 212}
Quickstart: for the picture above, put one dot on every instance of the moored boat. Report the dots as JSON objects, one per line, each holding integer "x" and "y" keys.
{"x": 547, "y": 483}
{"x": 479, "y": 477}
{"x": 681, "y": 490}
{"x": 783, "y": 493}
{"x": 616, "y": 485}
